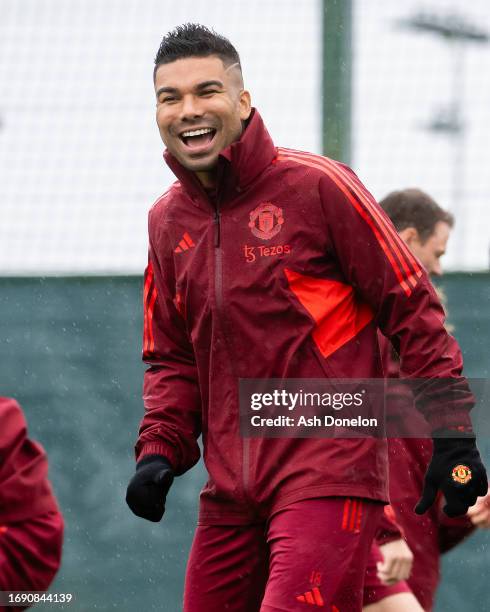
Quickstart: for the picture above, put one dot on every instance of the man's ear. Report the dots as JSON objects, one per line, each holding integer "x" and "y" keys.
{"x": 245, "y": 105}
{"x": 410, "y": 236}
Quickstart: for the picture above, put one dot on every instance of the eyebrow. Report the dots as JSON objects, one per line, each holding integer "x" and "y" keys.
{"x": 199, "y": 87}
{"x": 207, "y": 84}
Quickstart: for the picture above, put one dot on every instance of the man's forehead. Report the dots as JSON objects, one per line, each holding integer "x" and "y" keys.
{"x": 190, "y": 71}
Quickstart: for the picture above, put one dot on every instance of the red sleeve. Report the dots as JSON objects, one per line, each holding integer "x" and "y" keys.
{"x": 388, "y": 530}
{"x": 172, "y": 421}
{"x": 378, "y": 264}
{"x": 30, "y": 553}
{"x": 31, "y": 525}
{"x": 25, "y": 491}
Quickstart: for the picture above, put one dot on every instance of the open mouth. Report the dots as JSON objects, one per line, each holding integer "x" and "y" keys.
{"x": 197, "y": 138}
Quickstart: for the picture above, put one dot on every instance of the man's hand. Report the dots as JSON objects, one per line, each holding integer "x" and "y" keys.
{"x": 148, "y": 488}
{"x": 480, "y": 513}
{"x": 457, "y": 470}
{"x": 396, "y": 564}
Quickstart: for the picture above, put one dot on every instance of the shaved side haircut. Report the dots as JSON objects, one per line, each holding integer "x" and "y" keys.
{"x": 195, "y": 40}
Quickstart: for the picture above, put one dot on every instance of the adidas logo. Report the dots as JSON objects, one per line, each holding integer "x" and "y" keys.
{"x": 313, "y": 597}
{"x": 185, "y": 244}
{"x": 352, "y": 517}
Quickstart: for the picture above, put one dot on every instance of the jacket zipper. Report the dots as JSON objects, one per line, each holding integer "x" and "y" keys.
{"x": 217, "y": 226}
{"x": 218, "y": 287}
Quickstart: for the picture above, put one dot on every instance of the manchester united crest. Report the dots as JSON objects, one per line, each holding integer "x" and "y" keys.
{"x": 266, "y": 221}
{"x": 461, "y": 474}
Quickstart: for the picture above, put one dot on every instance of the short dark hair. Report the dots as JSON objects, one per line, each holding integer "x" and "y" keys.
{"x": 195, "y": 40}
{"x": 415, "y": 208}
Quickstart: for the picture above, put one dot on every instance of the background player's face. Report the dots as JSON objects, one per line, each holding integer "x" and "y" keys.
{"x": 200, "y": 108}
{"x": 430, "y": 251}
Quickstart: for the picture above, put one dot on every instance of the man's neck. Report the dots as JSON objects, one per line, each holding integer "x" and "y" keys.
{"x": 207, "y": 179}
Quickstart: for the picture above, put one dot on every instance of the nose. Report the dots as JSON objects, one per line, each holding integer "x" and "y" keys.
{"x": 191, "y": 108}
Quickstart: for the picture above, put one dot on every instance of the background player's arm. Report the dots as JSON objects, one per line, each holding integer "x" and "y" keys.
{"x": 397, "y": 556}
{"x": 397, "y": 562}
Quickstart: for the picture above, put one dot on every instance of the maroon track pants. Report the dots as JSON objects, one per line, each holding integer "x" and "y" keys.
{"x": 313, "y": 553}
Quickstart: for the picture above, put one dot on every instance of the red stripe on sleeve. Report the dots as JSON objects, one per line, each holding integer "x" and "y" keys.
{"x": 404, "y": 255}
{"x": 146, "y": 292}
{"x": 389, "y": 241}
{"x": 364, "y": 215}
{"x": 406, "y": 258}
{"x": 151, "y": 307}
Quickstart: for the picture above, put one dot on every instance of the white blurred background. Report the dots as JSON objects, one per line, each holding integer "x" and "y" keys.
{"x": 81, "y": 158}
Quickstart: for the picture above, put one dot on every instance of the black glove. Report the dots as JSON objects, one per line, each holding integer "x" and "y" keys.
{"x": 148, "y": 488}
{"x": 457, "y": 470}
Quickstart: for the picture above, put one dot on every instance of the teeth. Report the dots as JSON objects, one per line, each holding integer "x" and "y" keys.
{"x": 197, "y": 132}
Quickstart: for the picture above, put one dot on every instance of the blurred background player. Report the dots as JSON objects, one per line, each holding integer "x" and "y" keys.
{"x": 422, "y": 224}
{"x": 425, "y": 227}
{"x": 389, "y": 566}
{"x": 31, "y": 525}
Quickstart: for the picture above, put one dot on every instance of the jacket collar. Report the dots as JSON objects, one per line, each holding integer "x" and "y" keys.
{"x": 238, "y": 165}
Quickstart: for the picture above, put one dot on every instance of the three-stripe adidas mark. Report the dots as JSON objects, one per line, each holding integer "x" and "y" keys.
{"x": 313, "y": 597}
{"x": 185, "y": 244}
{"x": 352, "y": 516}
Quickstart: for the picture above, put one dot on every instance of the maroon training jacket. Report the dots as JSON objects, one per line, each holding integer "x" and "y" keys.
{"x": 288, "y": 273}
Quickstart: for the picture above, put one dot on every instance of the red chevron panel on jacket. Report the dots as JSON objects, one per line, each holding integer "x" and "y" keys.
{"x": 338, "y": 314}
